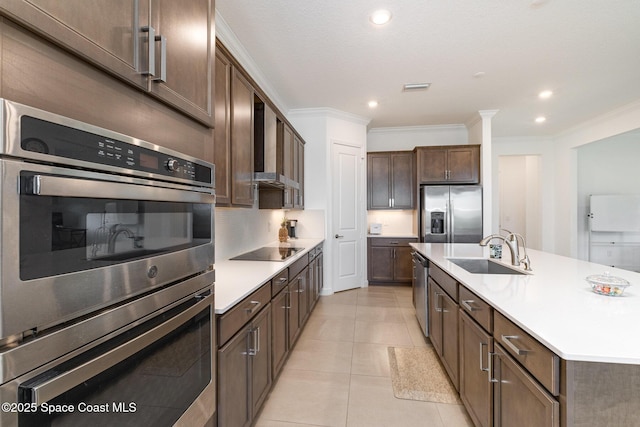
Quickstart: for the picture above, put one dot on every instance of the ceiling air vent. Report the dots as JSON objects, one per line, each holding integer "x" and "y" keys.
{"x": 412, "y": 87}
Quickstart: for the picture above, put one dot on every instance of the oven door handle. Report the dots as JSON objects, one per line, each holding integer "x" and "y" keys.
{"x": 55, "y": 386}
{"x": 47, "y": 185}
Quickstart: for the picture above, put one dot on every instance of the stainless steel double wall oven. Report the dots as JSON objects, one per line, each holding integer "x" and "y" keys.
{"x": 106, "y": 277}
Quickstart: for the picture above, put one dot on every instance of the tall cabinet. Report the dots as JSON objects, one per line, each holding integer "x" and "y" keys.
{"x": 234, "y": 133}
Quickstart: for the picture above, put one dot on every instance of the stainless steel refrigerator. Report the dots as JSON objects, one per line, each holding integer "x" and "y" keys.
{"x": 450, "y": 213}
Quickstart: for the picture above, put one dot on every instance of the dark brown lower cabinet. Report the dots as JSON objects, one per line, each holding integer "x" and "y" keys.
{"x": 518, "y": 399}
{"x": 389, "y": 260}
{"x": 299, "y": 303}
{"x": 443, "y": 329}
{"x": 279, "y": 330}
{"x": 244, "y": 372}
{"x": 475, "y": 385}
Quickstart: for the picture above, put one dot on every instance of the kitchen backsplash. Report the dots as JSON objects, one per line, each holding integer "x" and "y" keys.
{"x": 394, "y": 222}
{"x": 239, "y": 230}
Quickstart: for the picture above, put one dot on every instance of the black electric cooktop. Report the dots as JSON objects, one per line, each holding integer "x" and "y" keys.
{"x": 268, "y": 253}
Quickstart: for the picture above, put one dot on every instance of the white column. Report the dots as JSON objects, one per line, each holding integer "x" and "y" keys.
{"x": 486, "y": 171}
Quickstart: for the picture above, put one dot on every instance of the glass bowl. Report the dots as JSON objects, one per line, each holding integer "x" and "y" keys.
{"x": 606, "y": 284}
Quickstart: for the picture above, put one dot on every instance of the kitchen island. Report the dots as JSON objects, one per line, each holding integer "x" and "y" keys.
{"x": 593, "y": 338}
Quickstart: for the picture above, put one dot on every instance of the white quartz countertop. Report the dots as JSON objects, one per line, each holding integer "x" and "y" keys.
{"x": 555, "y": 304}
{"x": 236, "y": 280}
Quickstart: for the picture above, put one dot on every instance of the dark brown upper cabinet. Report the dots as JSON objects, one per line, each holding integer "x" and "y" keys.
{"x": 390, "y": 180}
{"x": 454, "y": 164}
{"x": 142, "y": 42}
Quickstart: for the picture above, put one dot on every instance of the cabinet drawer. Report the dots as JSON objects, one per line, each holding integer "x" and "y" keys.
{"x": 279, "y": 282}
{"x": 446, "y": 282}
{"x": 230, "y": 322}
{"x": 479, "y": 310}
{"x": 298, "y": 266}
{"x": 541, "y": 362}
{"x": 390, "y": 241}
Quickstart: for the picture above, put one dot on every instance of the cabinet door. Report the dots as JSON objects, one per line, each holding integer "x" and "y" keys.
{"x": 279, "y": 334}
{"x": 378, "y": 181}
{"x": 432, "y": 165}
{"x": 435, "y": 315}
{"x": 286, "y": 135}
{"x": 298, "y": 200}
{"x": 241, "y": 141}
{"x": 233, "y": 382}
{"x": 518, "y": 399}
{"x": 463, "y": 165}
{"x": 186, "y": 32}
{"x": 381, "y": 263}
{"x": 475, "y": 385}
{"x": 104, "y": 32}
{"x": 260, "y": 351}
{"x": 294, "y": 310}
{"x": 403, "y": 268}
{"x": 313, "y": 279}
{"x": 303, "y": 296}
{"x": 402, "y": 181}
{"x": 222, "y": 134}
{"x": 449, "y": 354}
{"x": 320, "y": 273}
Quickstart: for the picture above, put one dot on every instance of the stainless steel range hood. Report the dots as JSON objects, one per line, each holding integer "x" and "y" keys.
{"x": 268, "y": 156}
{"x": 274, "y": 179}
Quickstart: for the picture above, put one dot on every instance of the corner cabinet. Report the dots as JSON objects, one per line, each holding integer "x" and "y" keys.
{"x": 139, "y": 41}
{"x": 455, "y": 164}
{"x": 391, "y": 180}
{"x": 389, "y": 260}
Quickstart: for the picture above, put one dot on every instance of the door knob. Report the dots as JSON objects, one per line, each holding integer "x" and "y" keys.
{"x": 338, "y": 236}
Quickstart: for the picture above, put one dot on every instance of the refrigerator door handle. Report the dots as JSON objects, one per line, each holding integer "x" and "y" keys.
{"x": 451, "y": 223}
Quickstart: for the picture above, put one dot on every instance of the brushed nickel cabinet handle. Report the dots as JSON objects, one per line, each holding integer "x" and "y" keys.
{"x": 467, "y": 305}
{"x": 254, "y": 306}
{"x": 507, "y": 340}
{"x": 151, "y": 52}
{"x": 482, "y": 368}
{"x": 163, "y": 59}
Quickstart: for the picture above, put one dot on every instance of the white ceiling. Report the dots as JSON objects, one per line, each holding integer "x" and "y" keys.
{"x": 317, "y": 54}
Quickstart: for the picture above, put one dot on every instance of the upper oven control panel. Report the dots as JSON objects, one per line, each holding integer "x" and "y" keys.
{"x": 38, "y": 135}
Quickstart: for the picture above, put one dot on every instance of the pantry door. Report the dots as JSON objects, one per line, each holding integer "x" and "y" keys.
{"x": 347, "y": 224}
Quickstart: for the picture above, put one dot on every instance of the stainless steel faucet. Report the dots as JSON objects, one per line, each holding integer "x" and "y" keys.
{"x": 511, "y": 241}
{"x": 114, "y": 232}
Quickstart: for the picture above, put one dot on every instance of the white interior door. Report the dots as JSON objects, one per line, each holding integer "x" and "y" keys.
{"x": 346, "y": 217}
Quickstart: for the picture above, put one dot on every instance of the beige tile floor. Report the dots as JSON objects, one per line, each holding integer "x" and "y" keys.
{"x": 338, "y": 372}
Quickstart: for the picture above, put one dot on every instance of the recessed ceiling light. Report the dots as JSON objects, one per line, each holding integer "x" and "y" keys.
{"x": 373, "y": 104}
{"x": 545, "y": 94}
{"x": 415, "y": 86}
{"x": 380, "y": 17}
{"x": 541, "y": 119}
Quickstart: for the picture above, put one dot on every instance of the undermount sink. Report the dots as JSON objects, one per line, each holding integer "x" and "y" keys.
{"x": 484, "y": 266}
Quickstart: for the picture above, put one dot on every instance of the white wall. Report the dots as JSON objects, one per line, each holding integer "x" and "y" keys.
{"x": 608, "y": 166}
{"x": 319, "y": 128}
{"x": 542, "y": 150}
{"x": 565, "y": 146}
{"x": 409, "y": 137}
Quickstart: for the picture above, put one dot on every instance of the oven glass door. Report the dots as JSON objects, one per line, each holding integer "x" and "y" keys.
{"x": 66, "y": 228}
{"x": 149, "y": 375}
